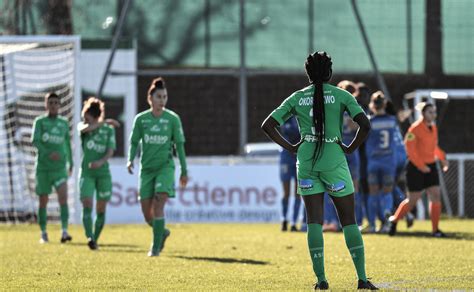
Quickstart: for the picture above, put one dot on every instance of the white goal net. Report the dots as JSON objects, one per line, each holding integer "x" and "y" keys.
{"x": 30, "y": 67}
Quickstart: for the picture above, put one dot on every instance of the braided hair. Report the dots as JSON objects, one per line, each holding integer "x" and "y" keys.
{"x": 318, "y": 68}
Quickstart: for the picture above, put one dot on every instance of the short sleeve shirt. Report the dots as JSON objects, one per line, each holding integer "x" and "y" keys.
{"x": 300, "y": 104}
{"x": 94, "y": 147}
{"x": 53, "y": 135}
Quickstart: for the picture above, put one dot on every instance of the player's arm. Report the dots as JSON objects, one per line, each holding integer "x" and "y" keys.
{"x": 358, "y": 115}
{"x": 179, "y": 140}
{"x": 269, "y": 127}
{"x": 441, "y": 155}
{"x": 361, "y": 134}
{"x": 278, "y": 117}
{"x": 86, "y": 128}
{"x": 36, "y": 138}
{"x": 98, "y": 163}
{"x": 411, "y": 141}
{"x": 67, "y": 140}
{"x": 111, "y": 146}
{"x": 135, "y": 138}
{"x": 182, "y": 160}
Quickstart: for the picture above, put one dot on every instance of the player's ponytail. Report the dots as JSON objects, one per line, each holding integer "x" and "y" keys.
{"x": 156, "y": 84}
{"x": 319, "y": 70}
{"x": 378, "y": 100}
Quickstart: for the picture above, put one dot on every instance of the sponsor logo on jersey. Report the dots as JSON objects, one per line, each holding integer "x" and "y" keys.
{"x": 91, "y": 145}
{"x": 52, "y": 138}
{"x": 97, "y": 138}
{"x": 314, "y": 139}
{"x": 55, "y": 130}
{"x": 308, "y": 101}
{"x": 305, "y": 184}
{"x": 155, "y": 139}
{"x": 337, "y": 187}
{"x": 164, "y": 121}
{"x": 104, "y": 194}
{"x": 155, "y": 128}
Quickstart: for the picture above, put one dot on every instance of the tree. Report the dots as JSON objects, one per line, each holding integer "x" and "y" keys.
{"x": 188, "y": 36}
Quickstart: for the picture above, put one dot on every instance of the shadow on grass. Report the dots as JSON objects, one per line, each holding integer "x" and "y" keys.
{"x": 224, "y": 260}
{"x": 119, "y": 245}
{"x": 123, "y": 250}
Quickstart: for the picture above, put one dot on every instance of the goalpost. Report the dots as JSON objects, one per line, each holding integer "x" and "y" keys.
{"x": 30, "y": 67}
{"x": 457, "y": 186}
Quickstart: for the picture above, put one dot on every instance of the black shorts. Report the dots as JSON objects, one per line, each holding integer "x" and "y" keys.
{"x": 418, "y": 181}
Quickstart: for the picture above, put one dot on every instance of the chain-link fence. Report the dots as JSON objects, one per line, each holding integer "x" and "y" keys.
{"x": 459, "y": 182}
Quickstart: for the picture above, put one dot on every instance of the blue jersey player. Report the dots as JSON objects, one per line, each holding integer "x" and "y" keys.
{"x": 291, "y": 133}
{"x": 381, "y": 161}
{"x": 349, "y": 130}
{"x": 401, "y": 162}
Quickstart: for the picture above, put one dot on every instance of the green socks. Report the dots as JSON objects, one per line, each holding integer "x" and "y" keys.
{"x": 87, "y": 221}
{"x": 64, "y": 211}
{"x": 158, "y": 231}
{"x": 99, "y": 225}
{"x": 42, "y": 218}
{"x": 316, "y": 250}
{"x": 355, "y": 244}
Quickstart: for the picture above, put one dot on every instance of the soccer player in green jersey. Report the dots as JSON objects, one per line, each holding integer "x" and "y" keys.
{"x": 321, "y": 163}
{"x": 98, "y": 145}
{"x": 158, "y": 130}
{"x": 51, "y": 139}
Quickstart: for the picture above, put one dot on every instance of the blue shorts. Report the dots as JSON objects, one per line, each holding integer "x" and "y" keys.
{"x": 353, "y": 160}
{"x": 380, "y": 172}
{"x": 287, "y": 166}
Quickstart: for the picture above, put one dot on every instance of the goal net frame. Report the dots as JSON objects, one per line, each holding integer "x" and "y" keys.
{"x": 9, "y": 45}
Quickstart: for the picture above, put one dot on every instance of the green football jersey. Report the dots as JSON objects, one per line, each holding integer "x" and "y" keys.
{"x": 300, "y": 104}
{"x": 51, "y": 135}
{"x": 94, "y": 146}
{"x": 157, "y": 136}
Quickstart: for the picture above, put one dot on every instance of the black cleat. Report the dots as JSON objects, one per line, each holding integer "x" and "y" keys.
{"x": 366, "y": 285}
{"x": 284, "y": 226}
{"x": 92, "y": 244}
{"x": 65, "y": 238}
{"x": 165, "y": 236}
{"x": 293, "y": 228}
{"x": 321, "y": 286}
{"x": 393, "y": 228}
{"x": 410, "y": 220}
{"x": 439, "y": 234}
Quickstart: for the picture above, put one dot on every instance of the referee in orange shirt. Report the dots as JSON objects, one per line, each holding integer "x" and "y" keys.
{"x": 421, "y": 143}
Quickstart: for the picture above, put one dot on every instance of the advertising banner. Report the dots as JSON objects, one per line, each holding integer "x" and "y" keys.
{"x": 215, "y": 193}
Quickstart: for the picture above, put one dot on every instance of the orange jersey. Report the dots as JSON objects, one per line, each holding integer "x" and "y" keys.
{"x": 421, "y": 144}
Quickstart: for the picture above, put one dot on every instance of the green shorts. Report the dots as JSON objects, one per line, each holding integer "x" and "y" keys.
{"x": 337, "y": 182}
{"x": 46, "y": 179}
{"x": 156, "y": 181}
{"x": 100, "y": 185}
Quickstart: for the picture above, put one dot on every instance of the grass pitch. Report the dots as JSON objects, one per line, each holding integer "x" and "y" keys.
{"x": 250, "y": 257}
